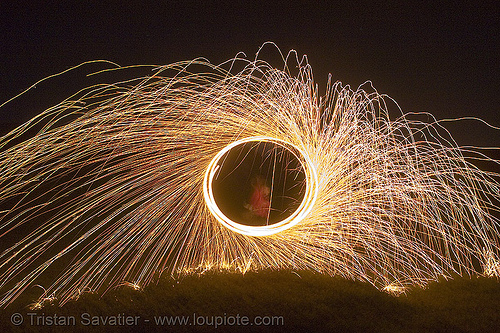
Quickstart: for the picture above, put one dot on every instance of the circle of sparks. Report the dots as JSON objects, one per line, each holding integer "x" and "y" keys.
{"x": 298, "y": 215}
{"x": 112, "y": 185}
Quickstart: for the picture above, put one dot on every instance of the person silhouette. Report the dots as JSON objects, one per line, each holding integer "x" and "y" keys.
{"x": 259, "y": 199}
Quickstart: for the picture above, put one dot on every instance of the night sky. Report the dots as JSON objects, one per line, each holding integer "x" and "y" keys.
{"x": 443, "y": 59}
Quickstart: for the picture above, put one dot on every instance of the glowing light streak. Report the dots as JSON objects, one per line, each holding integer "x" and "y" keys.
{"x": 114, "y": 185}
{"x": 298, "y": 215}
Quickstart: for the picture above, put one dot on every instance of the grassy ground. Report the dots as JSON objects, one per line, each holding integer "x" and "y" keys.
{"x": 273, "y": 301}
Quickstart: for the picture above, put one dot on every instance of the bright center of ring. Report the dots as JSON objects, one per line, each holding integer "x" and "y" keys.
{"x": 260, "y": 186}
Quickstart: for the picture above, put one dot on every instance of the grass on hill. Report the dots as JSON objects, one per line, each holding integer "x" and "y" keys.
{"x": 278, "y": 301}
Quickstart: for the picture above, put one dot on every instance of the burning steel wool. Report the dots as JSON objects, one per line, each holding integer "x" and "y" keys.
{"x": 238, "y": 166}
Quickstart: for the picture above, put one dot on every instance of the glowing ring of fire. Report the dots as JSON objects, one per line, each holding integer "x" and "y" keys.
{"x": 298, "y": 215}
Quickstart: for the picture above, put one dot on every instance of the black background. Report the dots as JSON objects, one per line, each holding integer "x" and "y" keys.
{"x": 437, "y": 57}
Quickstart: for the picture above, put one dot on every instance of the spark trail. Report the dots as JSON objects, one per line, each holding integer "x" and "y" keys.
{"x": 109, "y": 189}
